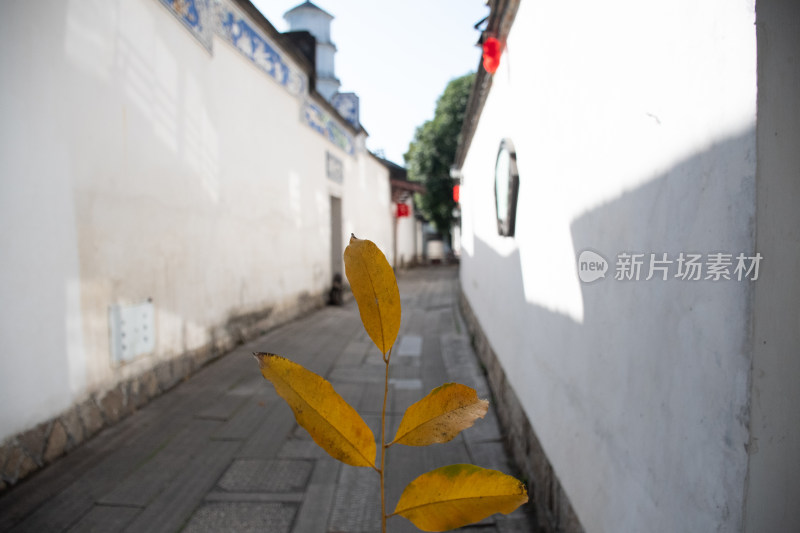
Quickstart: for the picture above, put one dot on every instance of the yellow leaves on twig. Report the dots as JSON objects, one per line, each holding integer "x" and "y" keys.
{"x": 445, "y": 498}
{"x": 440, "y": 416}
{"x": 333, "y": 424}
{"x": 375, "y": 289}
{"x": 457, "y": 495}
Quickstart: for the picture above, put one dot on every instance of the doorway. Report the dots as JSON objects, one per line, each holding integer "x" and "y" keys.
{"x": 336, "y": 237}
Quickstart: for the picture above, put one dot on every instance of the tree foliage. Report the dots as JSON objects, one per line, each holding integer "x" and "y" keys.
{"x": 442, "y": 499}
{"x": 433, "y": 150}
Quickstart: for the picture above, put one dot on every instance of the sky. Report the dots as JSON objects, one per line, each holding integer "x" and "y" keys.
{"x": 397, "y": 56}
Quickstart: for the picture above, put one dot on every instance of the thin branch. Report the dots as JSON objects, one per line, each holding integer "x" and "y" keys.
{"x": 383, "y": 441}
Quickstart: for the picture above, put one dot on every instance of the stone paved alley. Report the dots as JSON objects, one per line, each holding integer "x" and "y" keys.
{"x": 222, "y": 452}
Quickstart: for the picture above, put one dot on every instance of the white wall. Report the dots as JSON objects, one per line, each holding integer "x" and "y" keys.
{"x": 136, "y": 164}
{"x": 634, "y": 129}
{"x": 406, "y": 236}
{"x": 366, "y": 204}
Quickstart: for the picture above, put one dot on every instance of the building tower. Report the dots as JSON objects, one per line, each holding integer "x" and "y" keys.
{"x": 308, "y": 17}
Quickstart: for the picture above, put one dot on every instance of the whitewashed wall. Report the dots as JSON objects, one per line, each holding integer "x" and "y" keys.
{"x": 406, "y": 237}
{"x": 634, "y": 125}
{"x": 367, "y": 205}
{"x": 135, "y": 163}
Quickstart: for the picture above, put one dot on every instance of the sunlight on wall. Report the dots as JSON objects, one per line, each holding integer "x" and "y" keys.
{"x": 627, "y": 113}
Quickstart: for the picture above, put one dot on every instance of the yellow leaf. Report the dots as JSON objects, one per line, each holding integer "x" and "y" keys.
{"x": 457, "y": 495}
{"x": 333, "y": 424}
{"x": 375, "y": 289}
{"x": 441, "y": 415}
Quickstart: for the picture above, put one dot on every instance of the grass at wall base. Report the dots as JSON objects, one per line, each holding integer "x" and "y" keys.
{"x": 440, "y": 500}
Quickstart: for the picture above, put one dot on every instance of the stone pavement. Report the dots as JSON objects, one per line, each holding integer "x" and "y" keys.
{"x": 222, "y": 452}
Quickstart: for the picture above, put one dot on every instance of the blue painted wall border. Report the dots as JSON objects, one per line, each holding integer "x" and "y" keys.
{"x": 196, "y": 16}
{"x": 203, "y": 18}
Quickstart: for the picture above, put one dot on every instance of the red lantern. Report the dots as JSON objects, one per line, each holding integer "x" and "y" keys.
{"x": 456, "y": 192}
{"x": 402, "y": 210}
{"x": 492, "y": 50}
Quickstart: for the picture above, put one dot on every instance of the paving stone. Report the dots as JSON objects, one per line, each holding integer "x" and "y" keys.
{"x": 461, "y": 363}
{"x": 244, "y": 422}
{"x": 372, "y": 399}
{"x": 186, "y": 490}
{"x": 354, "y": 353}
{"x": 404, "y": 368}
{"x": 252, "y": 385}
{"x": 301, "y": 449}
{"x": 223, "y": 496}
{"x": 409, "y": 346}
{"x": 270, "y": 475}
{"x": 401, "y": 398}
{"x": 299, "y": 433}
{"x": 359, "y": 374}
{"x": 222, "y": 409}
{"x": 516, "y": 522}
{"x": 405, "y": 384}
{"x": 268, "y": 437}
{"x": 374, "y": 362}
{"x": 241, "y": 517}
{"x": 432, "y": 370}
{"x": 105, "y": 519}
{"x": 357, "y": 502}
{"x": 153, "y": 474}
{"x": 489, "y": 454}
{"x": 316, "y": 508}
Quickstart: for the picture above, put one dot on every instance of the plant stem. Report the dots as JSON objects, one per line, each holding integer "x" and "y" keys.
{"x": 383, "y": 441}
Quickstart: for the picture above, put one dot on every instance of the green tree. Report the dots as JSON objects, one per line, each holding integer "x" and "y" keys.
{"x": 433, "y": 150}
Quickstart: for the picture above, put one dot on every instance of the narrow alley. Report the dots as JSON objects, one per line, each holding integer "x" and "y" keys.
{"x": 222, "y": 452}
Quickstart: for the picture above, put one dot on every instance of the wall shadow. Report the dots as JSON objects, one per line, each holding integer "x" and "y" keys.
{"x": 643, "y": 405}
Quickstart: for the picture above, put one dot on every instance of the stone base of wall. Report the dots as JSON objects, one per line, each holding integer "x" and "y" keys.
{"x": 554, "y": 512}
{"x": 23, "y": 454}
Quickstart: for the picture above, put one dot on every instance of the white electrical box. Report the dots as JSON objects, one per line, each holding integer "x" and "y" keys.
{"x": 133, "y": 330}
